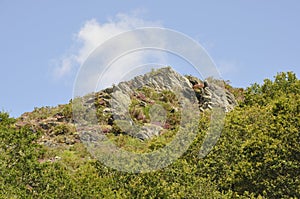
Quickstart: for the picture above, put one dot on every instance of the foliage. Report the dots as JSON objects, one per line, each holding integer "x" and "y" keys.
{"x": 164, "y": 104}
{"x": 259, "y": 150}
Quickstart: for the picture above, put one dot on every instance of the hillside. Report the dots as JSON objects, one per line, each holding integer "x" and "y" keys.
{"x": 44, "y": 153}
{"x": 144, "y": 95}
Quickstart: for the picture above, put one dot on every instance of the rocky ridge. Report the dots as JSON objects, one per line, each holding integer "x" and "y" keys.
{"x": 115, "y": 102}
{"x": 135, "y": 102}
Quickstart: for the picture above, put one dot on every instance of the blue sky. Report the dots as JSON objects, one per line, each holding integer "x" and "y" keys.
{"x": 44, "y": 42}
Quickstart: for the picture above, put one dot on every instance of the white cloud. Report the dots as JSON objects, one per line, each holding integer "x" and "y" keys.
{"x": 65, "y": 66}
{"x": 92, "y": 34}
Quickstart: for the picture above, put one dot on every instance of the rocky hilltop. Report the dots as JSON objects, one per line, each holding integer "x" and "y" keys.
{"x": 151, "y": 103}
{"x": 209, "y": 93}
{"x": 44, "y": 155}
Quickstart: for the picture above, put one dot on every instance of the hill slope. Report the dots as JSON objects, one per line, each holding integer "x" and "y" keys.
{"x": 258, "y": 154}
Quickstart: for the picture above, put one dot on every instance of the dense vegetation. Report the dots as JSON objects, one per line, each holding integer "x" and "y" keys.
{"x": 257, "y": 156}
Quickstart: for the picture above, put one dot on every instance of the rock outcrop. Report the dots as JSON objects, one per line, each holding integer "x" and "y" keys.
{"x": 146, "y": 106}
{"x": 212, "y": 94}
{"x": 115, "y": 102}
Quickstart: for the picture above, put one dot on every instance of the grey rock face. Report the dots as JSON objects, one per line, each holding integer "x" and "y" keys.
{"x": 117, "y": 99}
{"x": 162, "y": 79}
{"x": 148, "y": 131}
{"x": 216, "y": 96}
{"x": 159, "y": 80}
{"x": 212, "y": 95}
